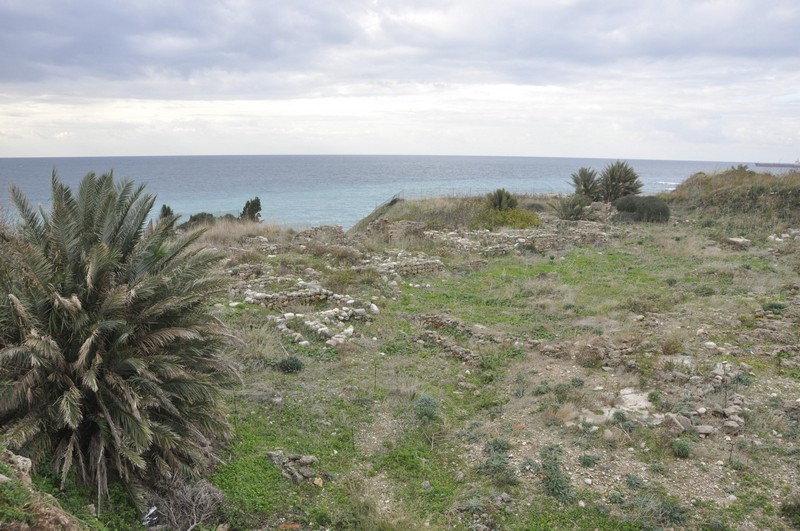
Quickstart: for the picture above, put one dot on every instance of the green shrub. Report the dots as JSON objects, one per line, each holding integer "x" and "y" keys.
{"x": 634, "y": 482}
{"x": 425, "y": 408}
{"x": 618, "y": 180}
{"x": 290, "y": 365}
{"x": 554, "y": 481}
{"x": 496, "y": 463}
{"x": 615, "y": 497}
{"x": 542, "y": 388}
{"x": 501, "y": 199}
{"x": 201, "y": 218}
{"x": 571, "y": 207}
{"x": 774, "y": 307}
{"x": 790, "y": 509}
{"x": 588, "y": 461}
{"x": 657, "y": 512}
{"x": 576, "y": 382}
{"x": 514, "y": 218}
{"x": 642, "y": 208}
{"x": 715, "y": 524}
{"x": 681, "y": 448}
{"x": 495, "y": 446}
{"x": 14, "y": 499}
{"x": 562, "y": 391}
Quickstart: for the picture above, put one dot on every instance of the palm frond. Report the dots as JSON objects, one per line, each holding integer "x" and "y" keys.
{"x": 70, "y": 407}
{"x": 65, "y": 453}
{"x": 32, "y": 226}
{"x": 22, "y": 430}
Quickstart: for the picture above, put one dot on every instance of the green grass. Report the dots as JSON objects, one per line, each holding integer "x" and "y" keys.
{"x": 14, "y": 500}
{"x": 411, "y": 461}
{"x": 255, "y": 488}
{"x": 115, "y": 513}
{"x": 429, "y": 416}
{"x": 548, "y": 516}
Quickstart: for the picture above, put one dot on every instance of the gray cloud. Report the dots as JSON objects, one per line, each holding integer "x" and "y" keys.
{"x": 186, "y": 42}
{"x": 706, "y": 77}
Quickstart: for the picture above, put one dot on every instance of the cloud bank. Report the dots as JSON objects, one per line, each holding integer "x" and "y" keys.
{"x": 708, "y": 80}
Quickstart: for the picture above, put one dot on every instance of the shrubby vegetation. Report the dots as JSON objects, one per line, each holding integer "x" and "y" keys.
{"x": 617, "y": 180}
{"x": 739, "y": 200}
{"x": 642, "y": 208}
{"x": 502, "y": 211}
{"x": 290, "y": 365}
{"x": 571, "y": 207}
{"x": 109, "y": 365}
{"x": 501, "y": 200}
{"x": 251, "y": 213}
{"x": 513, "y": 218}
{"x": 586, "y": 184}
{"x": 416, "y": 419}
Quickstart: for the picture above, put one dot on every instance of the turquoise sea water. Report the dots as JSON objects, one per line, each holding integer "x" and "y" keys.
{"x": 305, "y": 190}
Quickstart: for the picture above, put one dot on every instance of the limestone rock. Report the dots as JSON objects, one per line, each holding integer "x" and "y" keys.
{"x": 739, "y": 242}
{"x": 705, "y": 430}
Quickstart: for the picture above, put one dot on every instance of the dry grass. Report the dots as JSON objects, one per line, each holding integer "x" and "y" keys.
{"x": 740, "y": 202}
{"x": 566, "y": 413}
{"x": 701, "y": 185}
{"x": 227, "y": 233}
{"x": 439, "y": 212}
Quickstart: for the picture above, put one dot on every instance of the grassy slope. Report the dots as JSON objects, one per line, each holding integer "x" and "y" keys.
{"x": 385, "y": 465}
{"x": 354, "y": 406}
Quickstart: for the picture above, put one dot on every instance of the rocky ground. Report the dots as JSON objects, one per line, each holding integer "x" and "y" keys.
{"x": 572, "y": 375}
{"x": 673, "y": 402}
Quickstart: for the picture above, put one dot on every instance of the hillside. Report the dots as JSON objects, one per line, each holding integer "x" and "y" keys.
{"x": 419, "y": 372}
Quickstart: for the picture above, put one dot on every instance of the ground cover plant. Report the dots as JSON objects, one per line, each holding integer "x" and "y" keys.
{"x": 597, "y": 375}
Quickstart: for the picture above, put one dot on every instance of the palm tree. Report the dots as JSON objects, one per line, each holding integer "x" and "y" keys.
{"x": 501, "y": 199}
{"x": 109, "y": 361}
{"x": 586, "y": 183}
{"x": 618, "y": 180}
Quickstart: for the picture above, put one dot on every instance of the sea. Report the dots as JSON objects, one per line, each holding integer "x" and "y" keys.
{"x": 301, "y": 191}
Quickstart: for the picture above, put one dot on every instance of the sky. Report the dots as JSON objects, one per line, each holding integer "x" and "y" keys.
{"x": 711, "y": 80}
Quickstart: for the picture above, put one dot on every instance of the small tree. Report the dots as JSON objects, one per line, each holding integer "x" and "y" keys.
{"x": 501, "y": 199}
{"x": 165, "y": 212}
{"x": 586, "y": 184}
{"x": 618, "y": 180}
{"x": 251, "y": 210}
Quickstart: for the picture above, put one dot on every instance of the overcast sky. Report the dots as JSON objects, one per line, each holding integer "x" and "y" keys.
{"x": 658, "y": 79}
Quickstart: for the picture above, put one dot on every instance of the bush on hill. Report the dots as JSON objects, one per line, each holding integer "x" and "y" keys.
{"x": 201, "y": 218}
{"x": 642, "y": 208}
{"x": 744, "y": 201}
{"x": 501, "y": 199}
{"x": 571, "y": 207}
